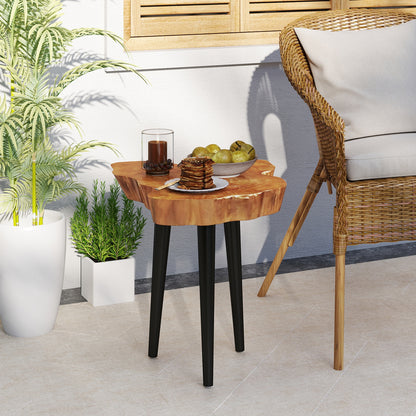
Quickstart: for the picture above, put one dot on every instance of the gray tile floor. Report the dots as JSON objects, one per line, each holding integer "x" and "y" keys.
{"x": 95, "y": 360}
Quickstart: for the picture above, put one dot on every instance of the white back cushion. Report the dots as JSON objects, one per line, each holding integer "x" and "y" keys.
{"x": 367, "y": 76}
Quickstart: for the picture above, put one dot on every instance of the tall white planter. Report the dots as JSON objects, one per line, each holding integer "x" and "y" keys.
{"x": 32, "y": 261}
{"x": 108, "y": 282}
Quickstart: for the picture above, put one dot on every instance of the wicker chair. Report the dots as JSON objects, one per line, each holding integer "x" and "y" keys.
{"x": 366, "y": 211}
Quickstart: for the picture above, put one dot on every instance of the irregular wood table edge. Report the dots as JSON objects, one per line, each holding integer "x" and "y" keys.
{"x": 250, "y": 195}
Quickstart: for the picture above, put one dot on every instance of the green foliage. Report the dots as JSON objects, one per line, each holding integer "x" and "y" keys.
{"x": 32, "y": 43}
{"x": 107, "y": 230}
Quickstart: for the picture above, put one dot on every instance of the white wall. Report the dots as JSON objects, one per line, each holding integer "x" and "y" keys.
{"x": 211, "y": 95}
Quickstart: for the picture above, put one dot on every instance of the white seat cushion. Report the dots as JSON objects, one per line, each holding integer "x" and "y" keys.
{"x": 387, "y": 156}
{"x": 367, "y": 76}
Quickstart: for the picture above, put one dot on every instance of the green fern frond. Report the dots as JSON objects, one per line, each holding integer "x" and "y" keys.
{"x": 74, "y": 150}
{"x": 65, "y": 117}
{"x": 16, "y": 198}
{"x": 11, "y": 128}
{"x": 48, "y": 43}
{"x": 49, "y": 163}
{"x": 20, "y": 7}
{"x": 40, "y": 110}
{"x": 81, "y": 32}
{"x": 14, "y": 66}
{"x": 50, "y": 190}
{"x": 49, "y": 11}
{"x": 86, "y": 68}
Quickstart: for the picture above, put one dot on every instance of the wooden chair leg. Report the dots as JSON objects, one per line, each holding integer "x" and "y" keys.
{"x": 306, "y": 207}
{"x": 312, "y": 190}
{"x": 339, "y": 311}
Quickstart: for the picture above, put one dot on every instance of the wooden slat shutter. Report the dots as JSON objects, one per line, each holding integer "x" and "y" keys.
{"x": 183, "y": 17}
{"x": 161, "y": 24}
{"x": 407, "y": 5}
{"x": 261, "y": 15}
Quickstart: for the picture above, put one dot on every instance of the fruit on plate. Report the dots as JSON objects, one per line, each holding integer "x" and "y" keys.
{"x": 212, "y": 148}
{"x": 236, "y": 145}
{"x": 200, "y": 151}
{"x": 249, "y": 149}
{"x": 239, "y": 156}
{"x": 223, "y": 156}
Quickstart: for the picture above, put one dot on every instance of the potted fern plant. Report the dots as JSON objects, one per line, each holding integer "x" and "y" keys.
{"x": 34, "y": 170}
{"x": 106, "y": 231}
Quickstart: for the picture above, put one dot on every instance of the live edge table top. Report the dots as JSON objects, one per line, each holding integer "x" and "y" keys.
{"x": 252, "y": 194}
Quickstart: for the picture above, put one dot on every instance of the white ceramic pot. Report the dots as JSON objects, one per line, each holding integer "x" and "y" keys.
{"x": 108, "y": 282}
{"x": 32, "y": 261}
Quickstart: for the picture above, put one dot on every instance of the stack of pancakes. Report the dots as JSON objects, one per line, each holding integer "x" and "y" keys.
{"x": 196, "y": 173}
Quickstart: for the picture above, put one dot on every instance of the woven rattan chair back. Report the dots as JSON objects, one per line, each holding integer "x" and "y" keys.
{"x": 367, "y": 211}
{"x": 297, "y": 69}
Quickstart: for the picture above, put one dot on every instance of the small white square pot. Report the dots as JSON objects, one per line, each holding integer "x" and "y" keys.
{"x": 107, "y": 282}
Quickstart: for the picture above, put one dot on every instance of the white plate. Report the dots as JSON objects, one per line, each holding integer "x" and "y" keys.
{"x": 218, "y": 182}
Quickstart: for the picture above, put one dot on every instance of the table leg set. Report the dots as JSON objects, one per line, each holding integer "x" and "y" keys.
{"x": 253, "y": 194}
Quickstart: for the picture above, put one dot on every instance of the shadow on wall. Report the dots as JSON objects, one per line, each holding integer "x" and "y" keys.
{"x": 61, "y": 137}
{"x": 282, "y": 131}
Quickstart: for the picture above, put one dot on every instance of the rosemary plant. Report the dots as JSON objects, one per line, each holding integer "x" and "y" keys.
{"x": 32, "y": 43}
{"x": 106, "y": 230}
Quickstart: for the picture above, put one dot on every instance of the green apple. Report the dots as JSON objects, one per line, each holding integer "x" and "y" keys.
{"x": 200, "y": 151}
{"x": 213, "y": 148}
{"x": 223, "y": 156}
{"x": 249, "y": 150}
{"x": 239, "y": 156}
{"x": 236, "y": 145}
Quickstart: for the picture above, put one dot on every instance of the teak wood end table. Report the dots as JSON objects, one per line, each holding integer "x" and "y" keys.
{"x": 252, "y": 194}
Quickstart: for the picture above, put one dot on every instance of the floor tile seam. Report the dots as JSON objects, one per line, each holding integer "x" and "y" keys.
{"x": 340, "y": 376}
{"x": 245, "y": 379}
{"x": 275, "y": 347}
{"x": 405, "y": 288}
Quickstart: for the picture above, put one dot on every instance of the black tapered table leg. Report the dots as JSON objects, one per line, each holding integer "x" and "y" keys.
{"x": 160, "y": 260}
{"x": 206, "y": 256}
{"x": 233, "y": 246}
